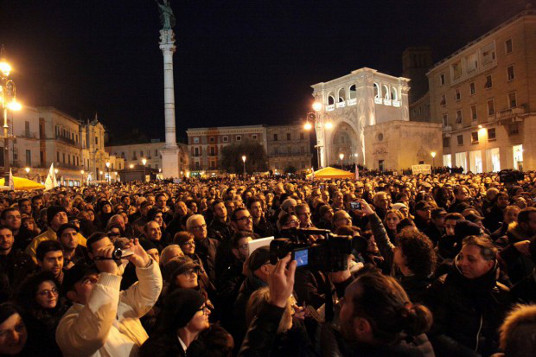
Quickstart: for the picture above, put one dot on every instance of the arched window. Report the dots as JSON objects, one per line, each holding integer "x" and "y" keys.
{"x": 377, "y": 93}
{"x": 352, "y": 93}
{"x": 386, "y": 94}
{"x": 331, "y": 99}
{"x": 341, "y": 95}
{"x": 394, "y": 93}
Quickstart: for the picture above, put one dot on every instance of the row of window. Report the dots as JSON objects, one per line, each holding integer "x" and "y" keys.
{"x": 289, "y": 137}
{"x": 381, "y": 91}
{"x": 75, "y": 158}
{"x": 64, "y": 133}
{"x": 471, "y": 61}
{"x": 225, "y": 138}
{"x": 510, "y": 75}
{"x": 281, "y": 150}
{"x": 477, "y": 136}
{"x": 490, "y": 109}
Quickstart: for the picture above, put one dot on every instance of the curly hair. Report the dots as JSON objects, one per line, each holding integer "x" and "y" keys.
{"x": 419, "y": 252}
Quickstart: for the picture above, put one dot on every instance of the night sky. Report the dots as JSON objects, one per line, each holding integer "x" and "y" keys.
{"x": 237, "y": 62}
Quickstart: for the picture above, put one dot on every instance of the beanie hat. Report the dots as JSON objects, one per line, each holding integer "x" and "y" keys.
{"x": 66, "y": 226}
{"x": 399, "y": 205}
{"x": 465, "y": 229}
{"x": 180, "y": 307}
{"x": 52, "y": 211}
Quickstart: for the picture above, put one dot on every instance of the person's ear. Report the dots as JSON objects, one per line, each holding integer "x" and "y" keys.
{"x": 362, "y": 329}
{"x": 71, "y": 295}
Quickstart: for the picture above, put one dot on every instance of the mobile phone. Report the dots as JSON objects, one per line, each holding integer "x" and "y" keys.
{"x": 355, "y": 205}
{"x": 301, "y": 256}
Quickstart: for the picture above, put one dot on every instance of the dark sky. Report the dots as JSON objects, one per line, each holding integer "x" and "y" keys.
{"x": 237, "y": 62}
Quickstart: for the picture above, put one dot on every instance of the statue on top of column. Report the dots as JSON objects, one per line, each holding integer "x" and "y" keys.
{"x": 167, "y": 19}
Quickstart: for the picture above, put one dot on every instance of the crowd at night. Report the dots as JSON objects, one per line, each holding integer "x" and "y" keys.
{"x": 423, "y": 265}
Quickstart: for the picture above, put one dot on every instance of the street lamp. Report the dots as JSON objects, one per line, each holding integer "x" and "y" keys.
{"x": 341, "y": 156}
{"x": 315, "y": 118}
{"x": 433, "y": 153}
{"x": 108, "y": 171}
{"x": 82, "y": 172}
{"x": 8, "y": 97}
{"x": 144, "y": 162}
{"x": 131, "y": 166}
{"x": 27, "y": 169}
{"x": 244, "y": 161}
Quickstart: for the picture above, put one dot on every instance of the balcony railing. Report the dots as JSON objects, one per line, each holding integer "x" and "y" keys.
{"x": 66, "y": 140}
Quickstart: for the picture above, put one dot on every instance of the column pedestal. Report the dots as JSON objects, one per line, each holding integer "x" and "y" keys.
{"x": 170, "y": 162}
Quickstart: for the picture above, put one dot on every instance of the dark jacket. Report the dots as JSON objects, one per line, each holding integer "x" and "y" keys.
{"x": 264, "y": 228}
{"x": 332, "y": 344}
{"x": 239, "y": 328}
{"x": 220, "y": 231}
{"x": 14, "y": 268}
{"x": 206, "y": 249}
{"x": 162, "y": 345}
{"x": 467, "y": 313}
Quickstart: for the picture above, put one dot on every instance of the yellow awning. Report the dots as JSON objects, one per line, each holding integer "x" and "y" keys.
{"x": 24, "y": 184}
{"x": 331, "y": 172}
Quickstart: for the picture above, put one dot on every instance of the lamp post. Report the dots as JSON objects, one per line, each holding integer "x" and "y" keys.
{"x": 244, "y": 161}
{"x": 27, "y": 169}
{"x": 82, "y": 172}
{"x": 341, "y": 156}
{"x": 314, "y": 117}
{"x": 144, "y": 162}
{"x": 8, "y": 97}
{"x": 108, "y": 171}
{"x": 56, "y": 173}
{"x": 433, "y": 153}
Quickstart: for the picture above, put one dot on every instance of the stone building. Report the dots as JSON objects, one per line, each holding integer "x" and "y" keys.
{"x": 46, "y": 135}
{"x": 484, "y": 96}
{"x": 205, "y": 144}
{"x": 288, "y": 146}
{"x": 133, "y": 154}
{"x": 356, "y": 108}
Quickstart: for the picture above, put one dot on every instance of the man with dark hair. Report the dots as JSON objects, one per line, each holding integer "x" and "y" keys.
{"x": 261, "y": 225}
{"x": 468, "y": 303}
{"x": 153, "y": 233}
{"x": 446, "y": 246}
{"x": 73, "y": 253}
{"x": 494, "y": 215}
{"x": 518, "y": 264}
{"x": 25, "y": 206}
{"x": 56, "y": 217}
{"x": 436, "y": 228}
{"x": 241, "y": 220}
{"x": 15, "y": 265}
{"x": 49, "y": 256}
{"x": 11, "y": 218}
{"x": 103, "y": 320}
{"x": 219, "y": 228}
{"x": 37, "y": 205}
{"x": 461, "y": 198}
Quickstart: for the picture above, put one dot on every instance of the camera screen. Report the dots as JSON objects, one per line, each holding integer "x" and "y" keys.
{"x": 355, "y": 205}
{"x": 302, "y": 257}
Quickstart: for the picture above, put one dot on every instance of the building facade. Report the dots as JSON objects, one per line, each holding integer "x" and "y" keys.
{"x": 205, "y": 144}
{"x": 288, "y": 148}
{"x": 46, "y": 135}
{"x": 133, "y": 154}
{"x": 484, "y": 96}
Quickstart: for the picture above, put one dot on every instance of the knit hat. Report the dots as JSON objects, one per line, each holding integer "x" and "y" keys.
{"x": 465, "y": 229}
{"x": 422, "y": 205}
{"x": 180, "y": 307}
{"x": 66, "y": 226}
{"x": 52, "y": 211}
{"x": 258, "y": 258}
{"x": 399, "y": 205}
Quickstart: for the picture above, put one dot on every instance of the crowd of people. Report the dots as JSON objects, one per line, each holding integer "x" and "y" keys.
{"x": 438, "y": 265}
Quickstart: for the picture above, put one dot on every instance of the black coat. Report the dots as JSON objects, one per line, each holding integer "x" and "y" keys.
{"x": 467, "y": 313}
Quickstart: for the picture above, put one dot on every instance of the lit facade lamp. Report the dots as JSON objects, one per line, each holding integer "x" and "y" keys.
{"x": 82, "y": 172}
{"x": 27, "y": 169}
{"x": 144, "y": 162}
{"x": 341, "y": 156}
{"x": 8, "y": 99}
{"x": 433, "y": 154}
{"x": 108, "y": 171}
{"x": 244, "y": 161}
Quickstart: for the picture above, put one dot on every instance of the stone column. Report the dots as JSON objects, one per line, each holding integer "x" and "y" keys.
{"x": 170, "y": 152}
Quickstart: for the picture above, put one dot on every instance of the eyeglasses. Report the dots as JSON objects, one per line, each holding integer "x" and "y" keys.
{"x": 190, "y": 243}
{"x": 198, "y": 228}
{"x": 248, "y": 218}
{"x": 190, "y": 272}
{"x": 53, "y": 291}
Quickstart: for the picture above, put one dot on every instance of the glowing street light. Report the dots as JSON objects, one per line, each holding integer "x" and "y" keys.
{"x": 317, "y": 106}
{"x": 329, "y": 125}
{"x": 433, "y": 153}
{"x": 144, "y": 162}
{"x": 8, "y": 100}
{"x": 244, "y": 161}
{"x": 307, "y": 126}
{"x": 341, "y": 156}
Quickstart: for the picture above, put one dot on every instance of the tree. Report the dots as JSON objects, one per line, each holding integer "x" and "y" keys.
{"x": 256, "y": 159}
